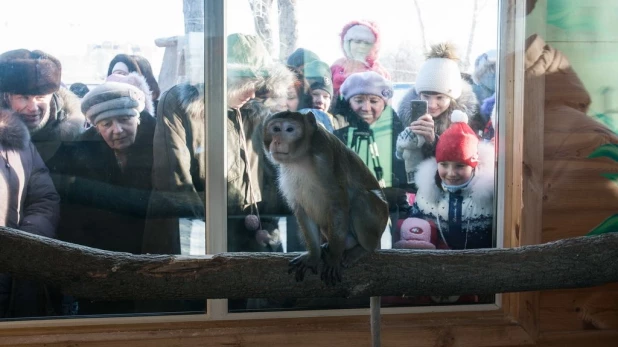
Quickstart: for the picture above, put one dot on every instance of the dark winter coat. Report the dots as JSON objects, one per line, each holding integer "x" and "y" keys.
{"x": 179, "y": 166}
{"x": 28, "y": 202}
{"x": 102, "y": 206}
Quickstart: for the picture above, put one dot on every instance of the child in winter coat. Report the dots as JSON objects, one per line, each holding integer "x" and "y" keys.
{"x": 456, "y": 188}
{"x": 439, "y": 82}
{"x": 360, "y": 42}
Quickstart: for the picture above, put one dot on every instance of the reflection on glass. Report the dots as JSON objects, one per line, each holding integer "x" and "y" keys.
{"x": 393, "y": 99}
{"x": 88, "y": 97}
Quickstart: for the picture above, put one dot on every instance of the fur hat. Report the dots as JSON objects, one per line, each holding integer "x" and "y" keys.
{"x": 246, "y": 56}
{"x": 458, "y": 143}
{"x": 29, "y": 72}
{"x": 300, "y": 57}
{"x": 417, "y": 233}
{"x": 440, "y": 72}
{"x": 318, "y": 76}
{"x": 112, "y": 99}
{"x": 368, "y": 82}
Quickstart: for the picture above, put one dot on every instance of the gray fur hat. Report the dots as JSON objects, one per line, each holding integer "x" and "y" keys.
{"x": 113, "y": 99}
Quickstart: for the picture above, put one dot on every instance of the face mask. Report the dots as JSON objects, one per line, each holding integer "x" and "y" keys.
{"x": 452, "y": 189}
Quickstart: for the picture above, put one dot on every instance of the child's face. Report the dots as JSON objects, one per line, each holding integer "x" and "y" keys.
{"x": 454, "y": 173}
{"x": 436, "y": 104}
{"x": 321, "y": 99}
{"x": 360, "y": 49}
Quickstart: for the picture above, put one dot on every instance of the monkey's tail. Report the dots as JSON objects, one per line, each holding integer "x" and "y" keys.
{"x": 374, "y": 308}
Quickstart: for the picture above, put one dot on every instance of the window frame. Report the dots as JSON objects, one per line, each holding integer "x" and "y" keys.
{"x": 520, "y": 166}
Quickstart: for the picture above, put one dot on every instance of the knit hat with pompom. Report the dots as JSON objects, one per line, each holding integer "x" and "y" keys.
{"x": 440, "y": 73}
{"x": 458, "y": 143}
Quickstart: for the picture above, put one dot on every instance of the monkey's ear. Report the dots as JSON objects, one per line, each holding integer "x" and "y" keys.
{"x": 310, "y": 117}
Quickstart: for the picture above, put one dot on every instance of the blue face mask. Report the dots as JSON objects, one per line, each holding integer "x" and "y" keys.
{"x": 453, "y": 189}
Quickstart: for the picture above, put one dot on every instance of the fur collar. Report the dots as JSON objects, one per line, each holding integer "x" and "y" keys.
{"x": 480, "y": 190}
{"x": 192, "y": 100}
{"x": 467, "y": 103}
{"x": 14, "y": 134}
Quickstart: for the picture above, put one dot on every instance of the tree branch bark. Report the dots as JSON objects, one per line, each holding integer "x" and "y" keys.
{"x": 91, "y": 273}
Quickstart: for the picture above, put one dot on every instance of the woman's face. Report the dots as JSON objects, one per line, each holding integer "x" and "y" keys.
{"x": 118, "y": 132}
{"x": 292, "y": 99}
{"x": 454, "y": 173}
{"x": 436, "y": 104}
{"x": 368, "y": 107}
{"x": 360, "y": 49}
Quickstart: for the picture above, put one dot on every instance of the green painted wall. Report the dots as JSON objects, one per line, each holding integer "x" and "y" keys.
{"x": 587, "y": 33}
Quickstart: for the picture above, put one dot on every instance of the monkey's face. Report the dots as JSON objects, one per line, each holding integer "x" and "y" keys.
{"x": 283, "y": 139}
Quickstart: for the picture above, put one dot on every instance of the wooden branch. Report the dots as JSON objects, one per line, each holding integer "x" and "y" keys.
{"x": 96, "y": 274}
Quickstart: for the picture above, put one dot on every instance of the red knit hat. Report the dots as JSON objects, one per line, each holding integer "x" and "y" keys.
{"x": 458, "y": 143}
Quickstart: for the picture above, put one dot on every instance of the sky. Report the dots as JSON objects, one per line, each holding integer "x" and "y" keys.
{"x": 65, "y": 28}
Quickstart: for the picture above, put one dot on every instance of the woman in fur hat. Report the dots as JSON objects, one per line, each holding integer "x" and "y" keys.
{"x": 456, "y": 188}
{"x": 105, "y": 177}
{"x": 360, "y": 43}
{"x": 438, "y": 82}
{"x": 28, "y": 202}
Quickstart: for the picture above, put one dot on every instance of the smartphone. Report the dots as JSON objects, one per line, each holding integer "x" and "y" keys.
{"x": 418, "y": 108}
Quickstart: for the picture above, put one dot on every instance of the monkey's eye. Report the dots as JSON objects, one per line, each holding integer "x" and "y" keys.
{"x": 276, "y": 129}
{"x": 289, "y": 129}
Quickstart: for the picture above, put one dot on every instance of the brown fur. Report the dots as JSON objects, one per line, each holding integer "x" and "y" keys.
{"x": 331, "y": 191}
{"x": 443, "y": 50}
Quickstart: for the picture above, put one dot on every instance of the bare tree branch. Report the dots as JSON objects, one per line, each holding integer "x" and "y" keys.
{"x": 421, "y": 25}
{"x": 262, "y": 21}
{"x": 475, "y": 17}
{"x": 288, "y": 28}
{"x": 96, "y": 274}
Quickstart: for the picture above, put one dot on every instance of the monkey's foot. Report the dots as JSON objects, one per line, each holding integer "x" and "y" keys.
{"x": 301, "y": 264}
{"x": 351, "y": 256}
{"x": 331, "y": 274}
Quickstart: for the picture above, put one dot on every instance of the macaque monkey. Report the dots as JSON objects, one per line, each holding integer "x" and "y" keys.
{"x": 330, "y": 190}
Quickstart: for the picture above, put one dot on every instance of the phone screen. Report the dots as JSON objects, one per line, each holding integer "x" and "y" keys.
{"x": 418, "y": 108}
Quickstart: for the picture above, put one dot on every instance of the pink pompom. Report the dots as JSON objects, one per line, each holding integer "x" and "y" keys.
{"x": 252, "y": 222}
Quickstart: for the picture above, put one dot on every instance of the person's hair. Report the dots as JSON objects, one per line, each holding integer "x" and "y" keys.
{"x": 302, "y": 90}
{"x": 144, "y": 66}
{"x": 79, "y": 89}
{"x": 127, "y": 60}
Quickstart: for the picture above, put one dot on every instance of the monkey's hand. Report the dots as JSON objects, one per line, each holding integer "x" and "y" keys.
{"x": 301, "y": 264}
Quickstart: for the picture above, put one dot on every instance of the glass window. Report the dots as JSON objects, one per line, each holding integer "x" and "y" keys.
{"x": 384, "y": 81}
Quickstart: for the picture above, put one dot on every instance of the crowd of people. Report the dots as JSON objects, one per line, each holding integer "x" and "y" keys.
{"x": 118, "y": 166}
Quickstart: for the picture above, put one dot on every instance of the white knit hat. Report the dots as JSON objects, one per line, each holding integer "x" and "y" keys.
{"x": 440, "y": 73}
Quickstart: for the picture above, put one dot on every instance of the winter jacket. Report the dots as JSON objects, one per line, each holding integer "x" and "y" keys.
{"x": 346, "y": 65}
{"x": 574, "y": 184}
{"x": 179, "y": 166}
{"x": 103, "y": 206}
{"x": 29, "y": 199}
{"x": 464, "y": 219}
{"x": 28, "y": 202}
{"x": 66, "y": 123}
{"x": 466, "y": 102}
